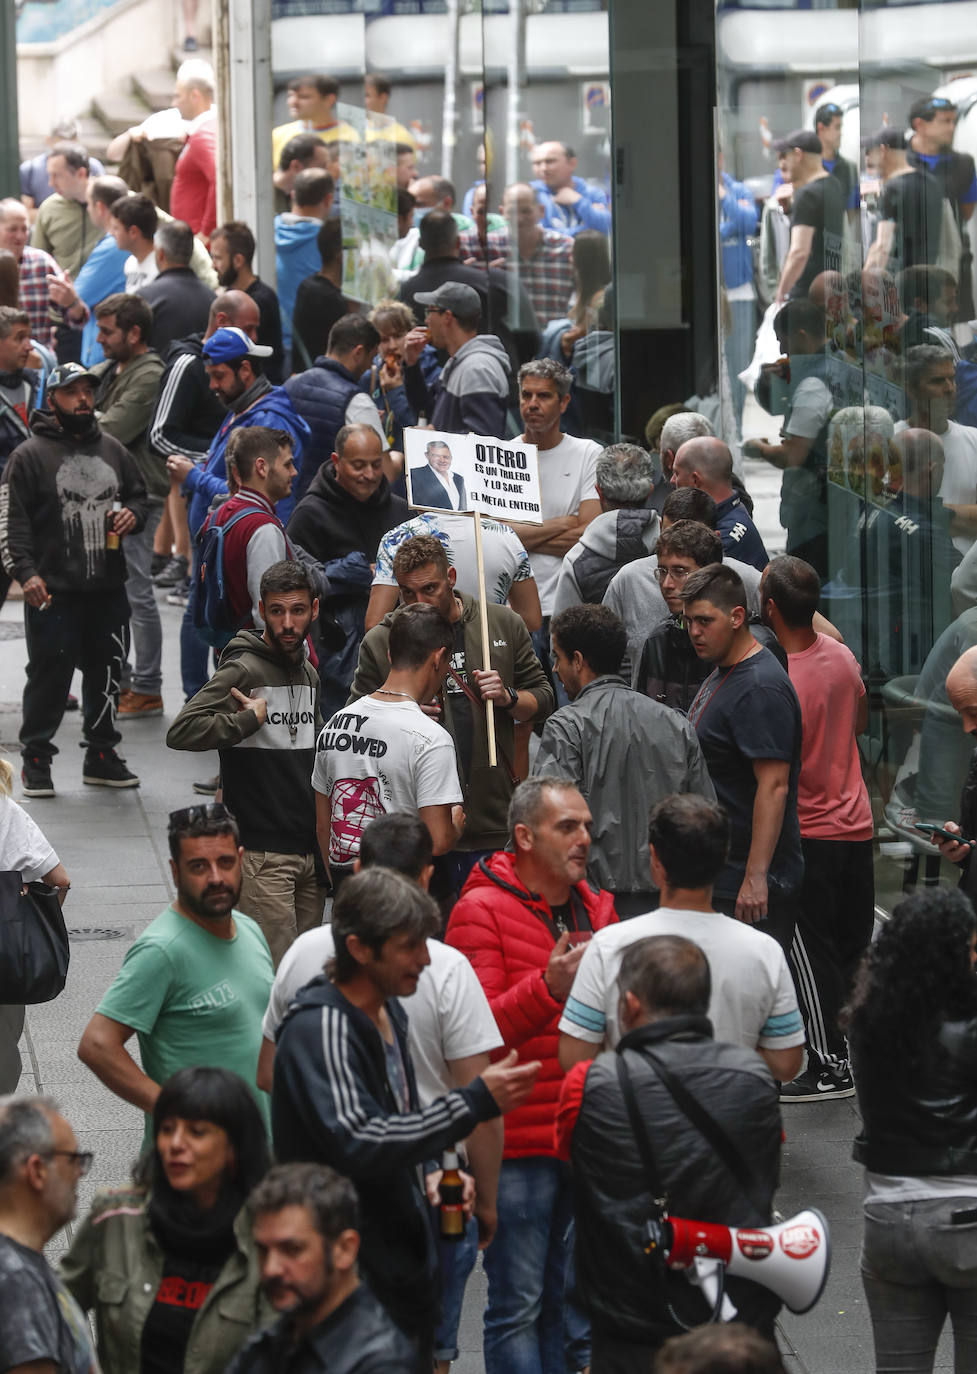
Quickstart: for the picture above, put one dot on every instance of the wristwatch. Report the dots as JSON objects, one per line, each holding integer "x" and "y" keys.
{"x": 513, "y": 698}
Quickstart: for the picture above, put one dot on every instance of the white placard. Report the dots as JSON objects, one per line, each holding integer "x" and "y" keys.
{"x": 473, "y": 472}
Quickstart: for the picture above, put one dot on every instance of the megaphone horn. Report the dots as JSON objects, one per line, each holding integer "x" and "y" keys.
{"x": 792, "y": 1259}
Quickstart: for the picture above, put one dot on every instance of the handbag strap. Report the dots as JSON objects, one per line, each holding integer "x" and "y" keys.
{"x": 711, "y": 1130}
{"x": 639, "y": 1131}
{"x": 477, "y": 701}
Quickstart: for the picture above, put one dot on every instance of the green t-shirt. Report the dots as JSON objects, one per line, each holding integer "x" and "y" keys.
{"x": 194, "y": 998}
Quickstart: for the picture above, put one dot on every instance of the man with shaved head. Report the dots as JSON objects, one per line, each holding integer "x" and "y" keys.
{"x": 707, "y": 463}
{"x": 961, "y": 688}
{"x": 543, "y": 257}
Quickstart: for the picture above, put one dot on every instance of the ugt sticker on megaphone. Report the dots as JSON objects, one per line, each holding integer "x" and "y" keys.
{"x": 799, "y": 1242}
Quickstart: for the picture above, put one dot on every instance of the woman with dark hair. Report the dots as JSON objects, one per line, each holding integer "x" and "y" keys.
{"x": 912, "y": 1028}
{"x": 167, "y": 1264}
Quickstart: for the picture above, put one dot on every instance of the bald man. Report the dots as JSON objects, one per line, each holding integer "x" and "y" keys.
{"x": 544, "y": 257}
{"x": 707, "y": 463}
{"x": 961, "y": 688}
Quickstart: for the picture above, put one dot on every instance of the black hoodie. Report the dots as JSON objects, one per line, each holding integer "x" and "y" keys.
{"x": 329, "y": 523}
{"x": 55, "y": 498}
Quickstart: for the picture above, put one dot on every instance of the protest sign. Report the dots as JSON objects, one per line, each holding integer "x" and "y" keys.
{"x": 473, "y": 472}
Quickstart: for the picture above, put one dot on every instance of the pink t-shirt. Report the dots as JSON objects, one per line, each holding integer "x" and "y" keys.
{"x": 832, "y": 799}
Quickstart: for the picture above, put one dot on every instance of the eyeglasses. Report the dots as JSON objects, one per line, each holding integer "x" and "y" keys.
{"x": 676, "y": 574}
{"x": 81, "y": 1159}
{"x": 193, "y": 815}
{"x": 433, "y": 310}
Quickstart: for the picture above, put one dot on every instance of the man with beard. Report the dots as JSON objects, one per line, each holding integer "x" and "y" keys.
{"x": 305, "y": 1221}
{"x": 235, "y": 374}
{"x": 232, "y": 250}
{"x": 260, "y": 710}
{"x": 69, "y": 495}
{"x": 194, "y": 985}
{"x": 19, "y": 385}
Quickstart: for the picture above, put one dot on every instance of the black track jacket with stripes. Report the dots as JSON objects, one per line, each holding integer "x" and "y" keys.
{"x": 332, "y": 1104}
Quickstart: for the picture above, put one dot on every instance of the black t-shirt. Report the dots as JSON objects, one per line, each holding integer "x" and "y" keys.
{"x": 461, "y": 707}
{"x": 41, "y": 1320}
{"x": 182, "y": 1292}
{"x": 820, "y": 206}
{"x": 740, "y": 714}
{"x": 269, "y": 328}
{"x": 318, "y": 305}
{"x": 914, "y": 202}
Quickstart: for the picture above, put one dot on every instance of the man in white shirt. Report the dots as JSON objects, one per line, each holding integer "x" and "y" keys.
{"x": 567, "y": 476}
{"x": 932, "y": 390}
{"x": 384, "y": 754}
{"x": 753, "y": 1003}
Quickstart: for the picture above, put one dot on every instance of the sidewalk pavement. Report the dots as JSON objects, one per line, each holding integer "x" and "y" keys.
{"x": 113, "y": 845}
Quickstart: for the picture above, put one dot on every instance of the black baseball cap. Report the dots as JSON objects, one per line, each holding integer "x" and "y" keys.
{"x": 886, "y": 137}
{"x": 805, "y": 139}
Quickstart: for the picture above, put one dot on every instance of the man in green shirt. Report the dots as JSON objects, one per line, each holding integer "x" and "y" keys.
{"x": 195, "y": 984}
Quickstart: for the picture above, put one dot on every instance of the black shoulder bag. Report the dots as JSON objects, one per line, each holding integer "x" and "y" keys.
{"x": 34, "y": 949}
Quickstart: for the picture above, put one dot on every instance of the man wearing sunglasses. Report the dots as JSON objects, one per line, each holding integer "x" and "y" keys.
{"x": 43, "y": 1329}
{"x": 933, "y": 120}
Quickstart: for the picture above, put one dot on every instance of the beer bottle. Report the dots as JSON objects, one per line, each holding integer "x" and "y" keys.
{"x": 452, "y": 1198}
{"x": 111, "y": 538}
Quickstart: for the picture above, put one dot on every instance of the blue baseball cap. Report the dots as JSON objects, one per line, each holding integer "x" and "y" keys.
{"x": 228, "y": 344}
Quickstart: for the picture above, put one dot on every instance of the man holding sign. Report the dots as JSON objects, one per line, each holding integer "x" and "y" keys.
{"x": 512, "y": 680}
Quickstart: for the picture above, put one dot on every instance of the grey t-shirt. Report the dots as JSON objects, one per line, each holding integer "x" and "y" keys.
{"x": 41, "y": 1320}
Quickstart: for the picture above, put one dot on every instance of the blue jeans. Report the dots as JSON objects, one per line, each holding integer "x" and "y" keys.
{"x": 526, "y": 1320}
{"x": 918, "y": 1268}
{"x": 457, "y": 1260}
{"x": 194, "y": 651}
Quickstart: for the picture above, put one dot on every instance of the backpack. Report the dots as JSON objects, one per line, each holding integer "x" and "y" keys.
{"x": 213, "y": 618}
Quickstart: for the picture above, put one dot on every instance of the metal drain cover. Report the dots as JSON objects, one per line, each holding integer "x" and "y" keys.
{"x": 98, "y": 933}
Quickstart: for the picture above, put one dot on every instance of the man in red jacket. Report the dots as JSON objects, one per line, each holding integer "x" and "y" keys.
{"x": 523, "y": 920}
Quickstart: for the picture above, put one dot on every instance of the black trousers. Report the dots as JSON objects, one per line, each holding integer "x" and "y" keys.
{"x": 780, "y": 917}
{"x": 86, "y": 632}
{"x": 835, "y": 916}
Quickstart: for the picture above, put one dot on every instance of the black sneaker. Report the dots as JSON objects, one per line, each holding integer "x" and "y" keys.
{"x": 817, "y": 1083}
{"x": 35, "y": 777}
{"x": 71, "y": 702}
{"x": 208, "y": 786}
{"x": 173, "y": 574}
{"x": 104, "y": 768}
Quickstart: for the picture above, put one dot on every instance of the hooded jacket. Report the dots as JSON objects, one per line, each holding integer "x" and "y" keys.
{"x": 333, "y": 1104}
{"x": 472, "y": 393}
{"x": 508, "y": 934}
{"x": 265, "y": 772}
{"x": 488, "y": 791}
{"x": 343, "y": 535}
{"x": 320, "y": 395}
{"x": 297, "y": 256}
{"x": 614, "y": 539}
{"x": 272, "y": 408}
{"x": 55, "y": 499}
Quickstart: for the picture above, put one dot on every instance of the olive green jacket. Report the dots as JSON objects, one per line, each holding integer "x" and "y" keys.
{"x": 488, "y": 791}
{"x": 115, "y": 1265}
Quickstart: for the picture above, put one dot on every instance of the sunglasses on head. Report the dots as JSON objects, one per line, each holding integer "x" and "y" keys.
{"x": 193, "y": 815}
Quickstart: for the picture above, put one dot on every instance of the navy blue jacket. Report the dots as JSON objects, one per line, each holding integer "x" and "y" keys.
{"x": 321, "y": 395}
{"x": 741, "y": 538}
{"x": 332, "y": 1103}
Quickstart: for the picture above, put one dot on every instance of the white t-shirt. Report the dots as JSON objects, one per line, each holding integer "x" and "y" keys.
{"x": 23, "y": 848}
{"x": 753, "y": 1003}
{"x": 959, "y": 485}
{"x": 447, "y": 1018}
{"x": 378, "y": 756}
{"x": 567, "y": 477}
{"x": 138, "y": 273}
{"x": 505, "y": 559}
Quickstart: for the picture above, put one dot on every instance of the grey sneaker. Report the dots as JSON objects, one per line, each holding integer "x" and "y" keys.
{"x": 173, "y": 574}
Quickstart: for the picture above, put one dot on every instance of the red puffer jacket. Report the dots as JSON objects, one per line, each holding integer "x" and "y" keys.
{"x": 508, "y": 933}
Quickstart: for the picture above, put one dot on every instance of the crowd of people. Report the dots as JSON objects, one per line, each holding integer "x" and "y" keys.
{"x": 665, "y": 876}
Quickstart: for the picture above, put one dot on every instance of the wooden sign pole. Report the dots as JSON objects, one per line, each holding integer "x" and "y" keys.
{"x": 486, "y": 639}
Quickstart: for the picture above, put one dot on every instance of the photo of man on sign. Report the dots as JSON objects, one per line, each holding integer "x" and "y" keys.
{"x": 434, "y": 484}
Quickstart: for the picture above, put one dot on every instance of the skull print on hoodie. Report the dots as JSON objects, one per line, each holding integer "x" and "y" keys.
{"x": 56, "y": 494}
